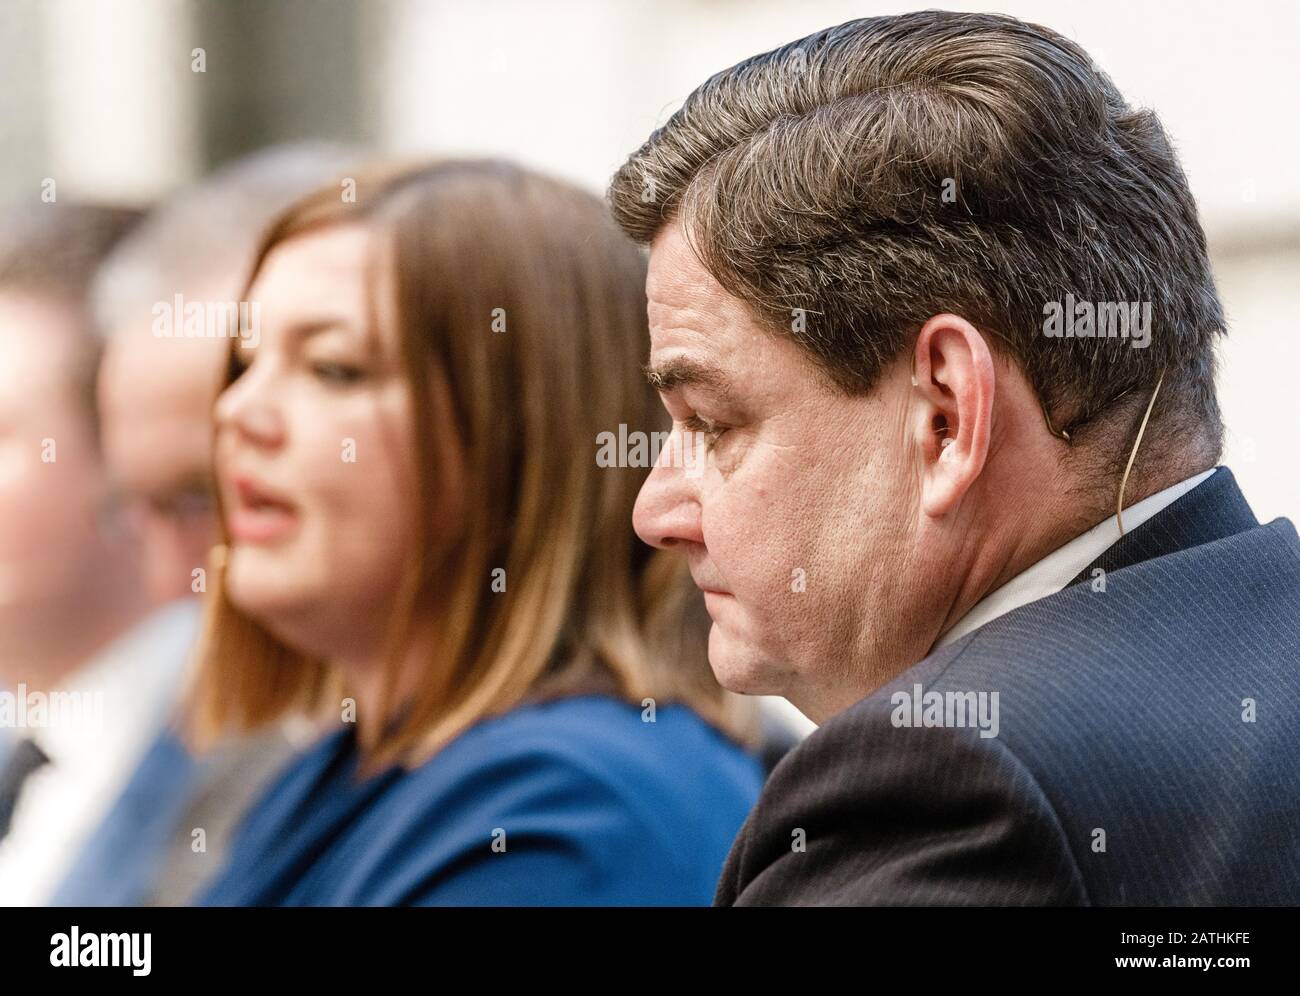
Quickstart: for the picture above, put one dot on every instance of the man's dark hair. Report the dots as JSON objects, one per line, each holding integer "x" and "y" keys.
{"x": 52, "y": 251}
{"x": 878, "y": 173}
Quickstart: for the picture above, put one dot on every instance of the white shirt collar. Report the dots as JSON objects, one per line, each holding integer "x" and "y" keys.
{"x": 122, "y": 698}
{"x": 1063, "y": 565}
{"x": 124, "y": 690}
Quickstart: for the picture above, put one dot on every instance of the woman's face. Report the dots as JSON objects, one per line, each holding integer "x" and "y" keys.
{"x": 314, "y": 451}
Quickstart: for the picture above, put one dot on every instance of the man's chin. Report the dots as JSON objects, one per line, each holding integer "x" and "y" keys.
{"x": 741, "y": 668}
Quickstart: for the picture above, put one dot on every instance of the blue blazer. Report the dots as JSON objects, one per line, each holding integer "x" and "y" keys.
{"x": 570, "y": 802}
{"x": 1147, "y": 752}
{"x": 123, "y": 859}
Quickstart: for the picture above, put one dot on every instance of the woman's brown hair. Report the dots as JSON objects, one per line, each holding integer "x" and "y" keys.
{"x": 518, "y": 297}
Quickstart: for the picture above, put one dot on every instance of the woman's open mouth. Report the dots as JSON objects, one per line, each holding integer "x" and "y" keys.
{"x": 260, "y": 514}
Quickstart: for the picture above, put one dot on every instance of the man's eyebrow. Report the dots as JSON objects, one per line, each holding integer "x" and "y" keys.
{"x": 682, "y": 371}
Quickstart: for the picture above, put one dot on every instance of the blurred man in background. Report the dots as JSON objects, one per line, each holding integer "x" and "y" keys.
{"x": 159, "y": 826}
{"x": 85, "y": 676}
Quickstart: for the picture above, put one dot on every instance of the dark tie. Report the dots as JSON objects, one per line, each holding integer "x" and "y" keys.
{"x": 25, "y": 758}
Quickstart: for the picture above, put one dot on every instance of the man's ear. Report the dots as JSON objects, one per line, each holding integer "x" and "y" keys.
{"x": 954, "y": 380}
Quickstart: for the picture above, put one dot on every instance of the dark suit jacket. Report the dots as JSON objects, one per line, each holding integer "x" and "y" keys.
{"x": 1147, "y": 753}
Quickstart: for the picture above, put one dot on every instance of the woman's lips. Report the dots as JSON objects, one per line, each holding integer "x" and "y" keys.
{"x": 261, "y": 525}
{"x": 259, "y": 514}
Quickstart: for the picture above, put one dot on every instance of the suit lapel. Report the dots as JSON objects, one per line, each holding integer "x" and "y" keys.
{"x": 1212, "y": 510}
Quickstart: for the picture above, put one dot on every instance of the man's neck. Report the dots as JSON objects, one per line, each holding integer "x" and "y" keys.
{"x": 51, "y": 657}
{"x": 1022, "y": 546}
{"x": 998, "y": 551}
{"x": 55, "y": 619}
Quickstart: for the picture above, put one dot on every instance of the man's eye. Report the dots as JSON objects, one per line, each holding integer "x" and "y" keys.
{"x": 337, "y": 373}
{"x": 712, "y": 431}
{"x": 188, "y": 504}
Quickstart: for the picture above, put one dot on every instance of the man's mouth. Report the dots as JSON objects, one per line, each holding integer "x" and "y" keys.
{"x": 709, "y": 586}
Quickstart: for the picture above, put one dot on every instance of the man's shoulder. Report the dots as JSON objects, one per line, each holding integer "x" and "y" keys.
{"x": 1225, "y": 613}
{"x": 1150, "y": 710}
{"x": 881, "y": 805}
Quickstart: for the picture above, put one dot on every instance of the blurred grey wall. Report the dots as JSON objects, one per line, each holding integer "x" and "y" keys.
{"x": 103, "y": 97}
{"x": 126, "y": 99}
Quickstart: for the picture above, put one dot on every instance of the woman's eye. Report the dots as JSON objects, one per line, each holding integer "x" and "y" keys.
{"x": 337, "y": 373}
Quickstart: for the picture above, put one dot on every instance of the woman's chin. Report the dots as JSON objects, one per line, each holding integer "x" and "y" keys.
{"x": 268, "y": 597}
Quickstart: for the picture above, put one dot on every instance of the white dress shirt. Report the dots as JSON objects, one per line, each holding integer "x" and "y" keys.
{"x": 1059, "y": 568}
{"x": 126, "y": 695}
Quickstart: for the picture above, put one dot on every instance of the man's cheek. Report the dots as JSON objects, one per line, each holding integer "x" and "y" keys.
{"x": 762, "y": 572}
{"x": 727, "y": 525}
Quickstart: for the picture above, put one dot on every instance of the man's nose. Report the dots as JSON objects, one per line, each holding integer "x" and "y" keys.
{"x": 667, "y": 510}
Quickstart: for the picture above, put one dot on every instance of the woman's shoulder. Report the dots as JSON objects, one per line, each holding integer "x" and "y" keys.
{"x": 600, "y": 781}
{"x": 606, "y": 737}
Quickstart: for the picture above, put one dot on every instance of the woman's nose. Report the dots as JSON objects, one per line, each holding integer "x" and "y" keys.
{"x": 248, "y": 407}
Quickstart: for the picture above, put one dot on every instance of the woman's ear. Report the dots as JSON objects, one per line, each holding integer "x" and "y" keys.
{"x": 955, "y": 381}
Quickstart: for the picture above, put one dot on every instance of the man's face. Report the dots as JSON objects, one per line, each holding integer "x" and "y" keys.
{"x": 800, "y": 528}
{"x": 51, "y": 479}
{"x": 156, "y": 396}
